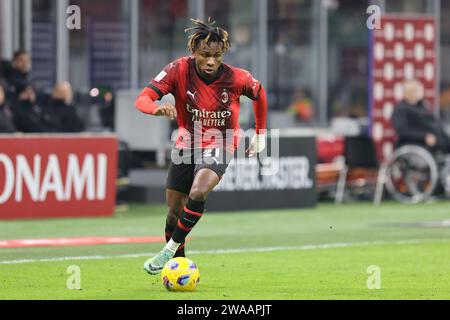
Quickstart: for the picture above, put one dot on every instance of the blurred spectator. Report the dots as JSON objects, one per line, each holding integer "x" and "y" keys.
{"x": 61, "y": 113}
{"x": 17, "y": 73}
{"x": 107, "y": 110}
{"x": 4, "y": 67}
{"x": 6, "y": 116}
{"x": 415, "y": 124}
{"x": 28, "y": 116}
{"x": 302, "y": 107}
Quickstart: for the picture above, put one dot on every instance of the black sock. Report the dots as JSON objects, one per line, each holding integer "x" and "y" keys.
{"x": 169, "y": 232}
{"x": 180, "y": 252}
{"x": 191, "y": 215}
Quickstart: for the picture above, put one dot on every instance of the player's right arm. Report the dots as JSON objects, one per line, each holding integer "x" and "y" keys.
{"x": 162, "y": 85}
{"x": 145, "y": 103}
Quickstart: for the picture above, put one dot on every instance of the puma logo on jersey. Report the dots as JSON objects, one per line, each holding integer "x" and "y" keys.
{"x": 192, "y": 95}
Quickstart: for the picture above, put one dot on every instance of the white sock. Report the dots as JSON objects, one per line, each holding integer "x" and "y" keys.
{"x": 172, "y": 246}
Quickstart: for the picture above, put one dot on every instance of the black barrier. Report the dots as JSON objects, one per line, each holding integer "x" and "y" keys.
{"x": 245, "y": 187}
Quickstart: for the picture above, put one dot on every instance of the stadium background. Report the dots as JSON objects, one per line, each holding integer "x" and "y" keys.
{"x": 286, "y": 43}
{"x": 313, "y": 58}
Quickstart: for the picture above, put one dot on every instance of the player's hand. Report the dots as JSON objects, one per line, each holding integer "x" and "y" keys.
{"x": 257, "y": 145}
{"x": 430, "y": 140}
{"x": 166, "y": 110}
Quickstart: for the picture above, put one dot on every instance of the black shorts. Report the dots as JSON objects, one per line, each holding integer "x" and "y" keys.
{"x": 184, "y": 168}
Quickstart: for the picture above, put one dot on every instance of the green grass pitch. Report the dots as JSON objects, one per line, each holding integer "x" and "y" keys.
{"x": 321, "y": 253}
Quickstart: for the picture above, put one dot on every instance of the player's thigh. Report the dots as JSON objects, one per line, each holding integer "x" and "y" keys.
{"x": 204, "y": 182}
{"x": 180, "y": 178}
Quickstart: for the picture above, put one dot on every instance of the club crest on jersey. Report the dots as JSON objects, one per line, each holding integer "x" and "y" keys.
{"x": 225, "y": 97}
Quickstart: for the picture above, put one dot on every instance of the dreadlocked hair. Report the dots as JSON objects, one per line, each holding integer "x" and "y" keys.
{"x": 208, "y": 33}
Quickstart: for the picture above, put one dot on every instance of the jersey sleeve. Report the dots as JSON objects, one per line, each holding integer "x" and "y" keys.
{"x": 165, "y": 81}
{"x": 251, "y": 87}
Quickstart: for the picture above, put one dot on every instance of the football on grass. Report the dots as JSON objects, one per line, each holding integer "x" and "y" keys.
{"x": 180, "y": 274}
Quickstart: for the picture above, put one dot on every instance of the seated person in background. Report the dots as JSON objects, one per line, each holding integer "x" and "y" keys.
{"x": 415, "y": 124}
{"x": 17, "y": 74}
{"x": 5, "y": 65}
{"x": 6, "y": 117}
{"x": 61, "y": 111}
{"x": 107, "y": 110}
{"x": 5, "y": 70}
{"x": 28, "y": 116}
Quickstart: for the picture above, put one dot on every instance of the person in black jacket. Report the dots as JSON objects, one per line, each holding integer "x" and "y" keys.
{"x": 17, "y": 73}
{"x": 415, "y": 124}
{"x": 28, "y": 116}
{"x": 6, "y": 116}
{"x": 61, "y": 110}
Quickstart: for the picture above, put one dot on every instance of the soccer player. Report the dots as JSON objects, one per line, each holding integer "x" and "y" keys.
{"x": 207, "y": 93}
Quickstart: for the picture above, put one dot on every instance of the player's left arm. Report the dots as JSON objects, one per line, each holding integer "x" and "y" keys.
{"x": 254, "y": 90}
{"x": 258, "y": 143}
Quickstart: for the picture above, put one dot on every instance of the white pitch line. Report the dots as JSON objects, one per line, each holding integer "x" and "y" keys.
{"x": 226, "y": 251}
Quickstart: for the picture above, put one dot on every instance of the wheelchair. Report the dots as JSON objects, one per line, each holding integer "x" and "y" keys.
{"x": 415, "y": 175}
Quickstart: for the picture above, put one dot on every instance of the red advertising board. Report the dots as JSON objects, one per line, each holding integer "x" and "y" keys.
{"x": 403, "y": 49}
{"x": 57, "y": 176}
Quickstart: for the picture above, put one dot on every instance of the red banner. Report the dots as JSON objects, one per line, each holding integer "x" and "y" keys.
{"x": 57, "y": 176}
{"x": 403, "y": 49}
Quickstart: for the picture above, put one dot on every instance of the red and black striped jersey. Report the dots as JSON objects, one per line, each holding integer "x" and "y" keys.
{"x": 209, "y": 105}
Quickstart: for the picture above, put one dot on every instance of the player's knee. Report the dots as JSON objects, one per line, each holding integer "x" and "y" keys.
{"x": 198, "y": 194}
{"x": 172, "y": 217}
{"x": 175, "y": 213}
{"x": 176, "y": 206}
